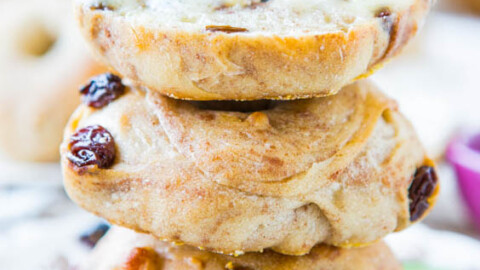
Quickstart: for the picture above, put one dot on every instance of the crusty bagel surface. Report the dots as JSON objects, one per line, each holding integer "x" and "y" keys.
{"x": 285, "y": 175}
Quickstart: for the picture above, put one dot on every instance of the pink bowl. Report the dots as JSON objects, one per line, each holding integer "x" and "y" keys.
{"x": 464, "y": 153}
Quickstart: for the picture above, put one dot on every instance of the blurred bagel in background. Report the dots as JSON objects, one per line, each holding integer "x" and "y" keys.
{"x": 42, "y": 63}
{"x": 465, "y": 6}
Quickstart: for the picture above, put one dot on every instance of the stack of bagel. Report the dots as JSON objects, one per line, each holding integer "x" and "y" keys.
{"x": 242, "y": 134}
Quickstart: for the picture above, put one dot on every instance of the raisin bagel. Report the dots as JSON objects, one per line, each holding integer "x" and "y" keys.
{"x": 234, "y": 176}
{"x": 248, "y": 49}
{"x": 127, "y": 250}
{"x": 43, "y": 62}
{"x": 468, "y": 6}
{"x": 474, "y": 5}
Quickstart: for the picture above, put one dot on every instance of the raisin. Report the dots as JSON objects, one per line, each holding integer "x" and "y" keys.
{"x": 422, "y": 187}
{"x": 102, "y": 90}
{"x": 383, "y": 12}
{"x": 92, "y": 145}
{"x": 92, "y": 236}
{"x": 386, "y": 15}
{"x": 225, "y": 28}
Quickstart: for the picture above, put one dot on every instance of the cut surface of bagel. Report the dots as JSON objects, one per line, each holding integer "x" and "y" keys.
{"x": 245, "y": 50}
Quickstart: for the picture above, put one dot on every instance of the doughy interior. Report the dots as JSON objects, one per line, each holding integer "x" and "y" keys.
{"x": 281, "y": 17}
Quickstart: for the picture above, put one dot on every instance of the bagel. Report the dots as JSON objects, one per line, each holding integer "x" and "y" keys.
{"x": 239, "y": 176}
{"x": 467, "y": 6}
{"x": 42, "y": 63}
{"x": 248, "y": 50}
{"x": 474, "y": 5}
{"x": 127, "y": 250}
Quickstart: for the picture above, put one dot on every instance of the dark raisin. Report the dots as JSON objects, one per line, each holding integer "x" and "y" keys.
{"x": 383, "y": 12}
{"x": 225, "y": 28}
{"x": 92, "y": 145}
{"x": 386, "y": 15}
{"x": 422, "y": 187}
{"x": 102, "y": 90}
{"x": 92, "y": 236}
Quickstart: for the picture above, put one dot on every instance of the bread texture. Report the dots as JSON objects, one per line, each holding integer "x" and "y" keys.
{"x": 287, "y": 176}
{"x": 246, "y": 50}
{"x": 122, "y": 249}
{"x": 42, "y": 62}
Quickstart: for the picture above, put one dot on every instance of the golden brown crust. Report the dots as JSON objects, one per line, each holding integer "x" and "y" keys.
{"x": 185, "y": 65}
{"x": 122, "y": 249}
{"x": 331, "y": 170}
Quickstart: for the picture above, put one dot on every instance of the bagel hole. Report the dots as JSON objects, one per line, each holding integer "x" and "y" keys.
{"x": 36, "y": 40}
{"x": 235, "y": 106}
